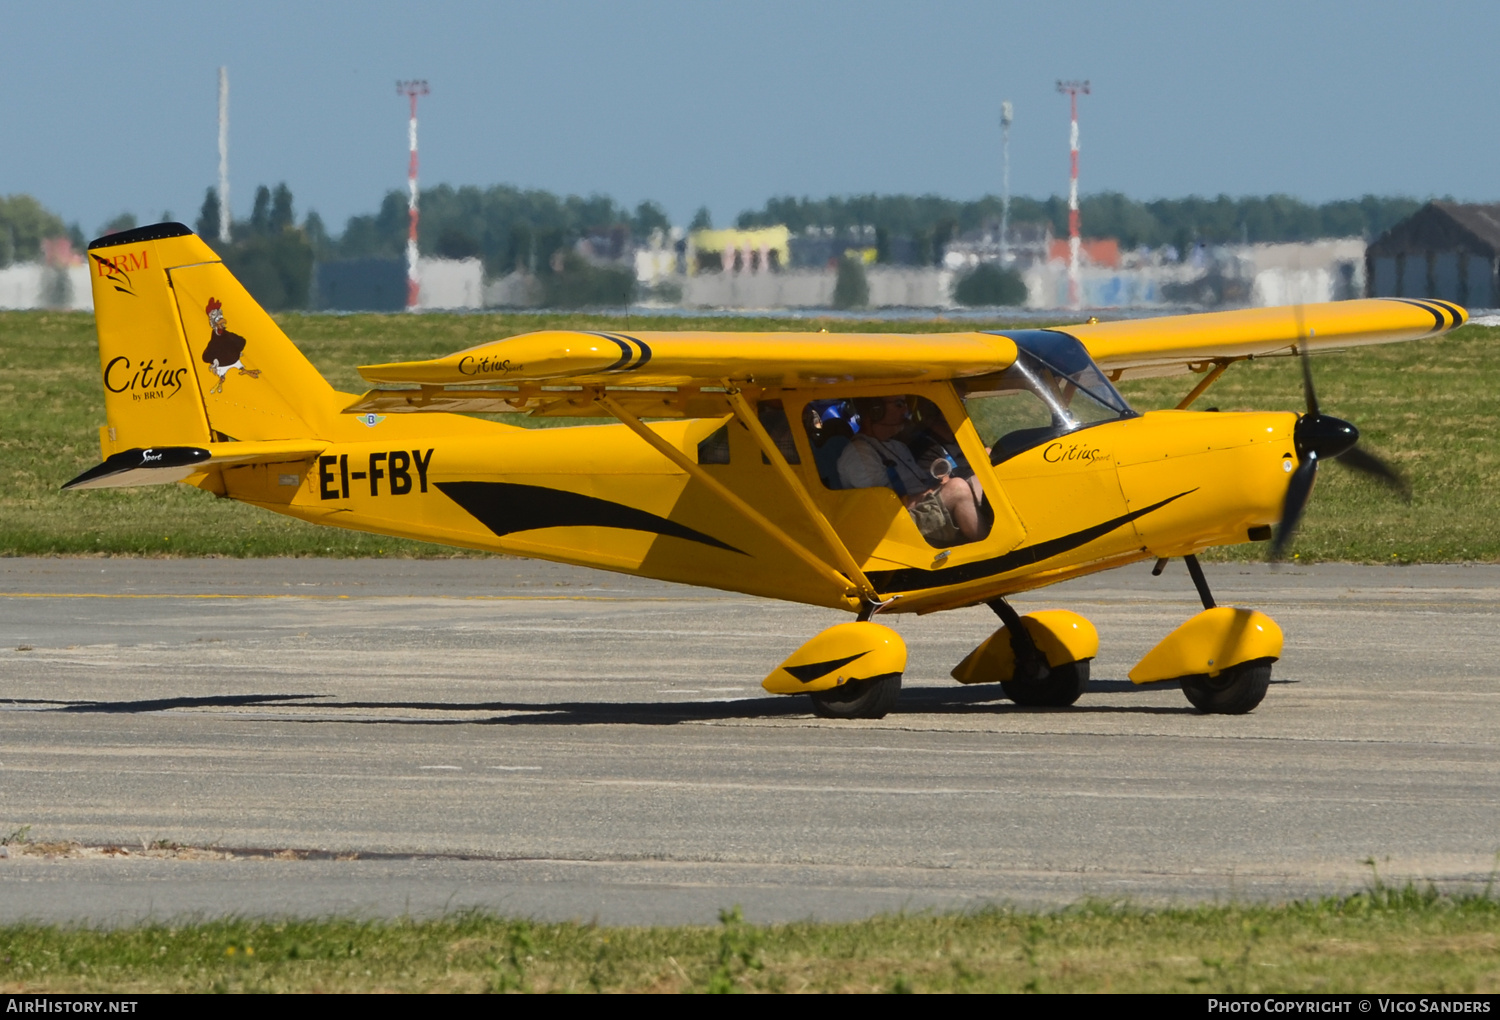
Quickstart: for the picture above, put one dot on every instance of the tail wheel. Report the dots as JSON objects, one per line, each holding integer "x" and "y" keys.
{"x": 1235, "y": 691}
{"x": 858, "y": 699}
{"x": 1062, "y": 686}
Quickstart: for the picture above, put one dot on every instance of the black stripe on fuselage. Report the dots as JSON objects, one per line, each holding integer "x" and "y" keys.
{"x": 914, "y": 579}
{"x": 506, "y": 508}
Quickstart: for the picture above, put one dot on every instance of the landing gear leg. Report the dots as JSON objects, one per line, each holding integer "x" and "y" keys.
{"x": 1199, "y": 581}
{"x": 1236, "y": 690}
{"x": 1035, "y": 683}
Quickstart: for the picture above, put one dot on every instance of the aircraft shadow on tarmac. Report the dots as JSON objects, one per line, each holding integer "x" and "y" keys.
{"x": 986, "y": 698}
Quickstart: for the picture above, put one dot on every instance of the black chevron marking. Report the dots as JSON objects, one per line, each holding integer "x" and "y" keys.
{"x": 506, "y": 508}
{"x": 811, "y": 671}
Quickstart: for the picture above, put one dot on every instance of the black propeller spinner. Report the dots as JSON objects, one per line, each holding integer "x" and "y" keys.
{"x": 1318, "y": 437}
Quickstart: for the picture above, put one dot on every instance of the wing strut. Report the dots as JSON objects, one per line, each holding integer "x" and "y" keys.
{"x": 751, "y": 421}
{"x": 1208, "y": 380}
{"x": 852, "y": 589}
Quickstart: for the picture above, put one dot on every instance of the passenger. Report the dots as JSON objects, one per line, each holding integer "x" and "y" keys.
{"x": 945, "y": 511}
{"x": 829, "y": 433}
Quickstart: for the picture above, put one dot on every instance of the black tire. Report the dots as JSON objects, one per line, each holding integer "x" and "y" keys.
{"x": 1235, "y": 691}
{"x": 1058, "y": 689}
{"x": 858, "y": 699}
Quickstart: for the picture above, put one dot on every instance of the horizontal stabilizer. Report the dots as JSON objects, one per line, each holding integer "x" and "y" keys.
{"x": 154, "y": 466}
{"x": 158, "y": 465}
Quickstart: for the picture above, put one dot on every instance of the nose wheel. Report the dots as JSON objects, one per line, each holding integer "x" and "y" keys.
{"x": 1235, "y": 691}
{"x": 1216, "y": 636}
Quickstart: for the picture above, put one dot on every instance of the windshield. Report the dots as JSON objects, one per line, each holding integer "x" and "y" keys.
{"x": 1053, "y": 388}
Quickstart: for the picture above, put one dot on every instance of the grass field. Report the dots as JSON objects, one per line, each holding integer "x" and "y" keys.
{"x": 1428, "y": 407}
{"x": 1384, "y": 940}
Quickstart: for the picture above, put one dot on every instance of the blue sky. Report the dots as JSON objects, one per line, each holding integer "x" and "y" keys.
{"x": 111, "y": 108}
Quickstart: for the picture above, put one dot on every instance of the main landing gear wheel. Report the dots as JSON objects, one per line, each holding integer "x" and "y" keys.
{"x": 1058, "y": 689}
{"x": 1235, "y": 691}
{"x": 858, "y": 699}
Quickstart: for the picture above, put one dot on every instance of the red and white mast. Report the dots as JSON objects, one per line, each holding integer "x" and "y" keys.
{"x": 1072, "y": 88}
{"x": 412, "y": 89}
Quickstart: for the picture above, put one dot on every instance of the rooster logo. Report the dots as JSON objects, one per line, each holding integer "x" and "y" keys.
{"x": 224, "y": 348}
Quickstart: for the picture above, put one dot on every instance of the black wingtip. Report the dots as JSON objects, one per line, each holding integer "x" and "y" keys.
{"x": 150, "y": 232}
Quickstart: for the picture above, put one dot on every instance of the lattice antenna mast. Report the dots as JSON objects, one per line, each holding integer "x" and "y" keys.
{"x": 1072, "y": 88}
{"x": 1007, "y": 114}
{"x": 223, "y": 155}
{"x": 412, "y": 89}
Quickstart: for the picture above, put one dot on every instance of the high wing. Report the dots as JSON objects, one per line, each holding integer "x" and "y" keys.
{"x": 547, "y": 372}
{"x": 1135, "y": 348}
{"x": 554, "y": 372}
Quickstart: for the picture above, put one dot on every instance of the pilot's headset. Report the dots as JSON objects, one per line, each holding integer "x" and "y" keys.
{"x": 861, "y": 407}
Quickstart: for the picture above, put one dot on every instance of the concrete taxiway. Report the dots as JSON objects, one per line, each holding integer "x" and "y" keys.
{"x": 380, "y": 738}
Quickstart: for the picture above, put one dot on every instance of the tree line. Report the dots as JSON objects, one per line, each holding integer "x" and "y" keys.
{"x": 538, "y": 232}
{"x": 1181, "y": 222}
{"x": 24, "y": 225}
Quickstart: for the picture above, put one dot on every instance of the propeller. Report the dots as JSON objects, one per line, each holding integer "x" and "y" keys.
{"x": 1318, "y": 437}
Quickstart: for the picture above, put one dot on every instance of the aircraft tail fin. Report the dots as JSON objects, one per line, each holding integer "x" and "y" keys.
{"x": 189, "y": 359}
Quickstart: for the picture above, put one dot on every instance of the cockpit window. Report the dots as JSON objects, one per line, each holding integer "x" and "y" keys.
{"x": 1053, "y": 388}
{"x": 901, "y": 442}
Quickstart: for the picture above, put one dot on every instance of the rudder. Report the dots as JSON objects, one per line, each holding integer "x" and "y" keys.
{"x": 187, "y": 355}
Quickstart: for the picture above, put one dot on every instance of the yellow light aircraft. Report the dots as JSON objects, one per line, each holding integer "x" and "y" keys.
{"x": 876, "y": 474}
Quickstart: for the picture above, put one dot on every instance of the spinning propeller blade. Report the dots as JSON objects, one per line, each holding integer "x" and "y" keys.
{"x": 1297, "y": 491}
{"x": 1308, "y": 392}
{"x": 1319, "y": 436}
{"x": 1367, "y": 463}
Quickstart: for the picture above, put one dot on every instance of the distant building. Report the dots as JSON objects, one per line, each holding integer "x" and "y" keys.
{"x": 359, "y": 285}
{"x": 449, "y": 284}
{"x": 379, "y": 285}
{"x": 1095, "y": 251}
{"x": 822, "y": 247}
{"x": 1443, "y": 250}
{"x": 738, "y": 251}
{"x": 60, "y": 280}
{"x": 1026, "y": 245}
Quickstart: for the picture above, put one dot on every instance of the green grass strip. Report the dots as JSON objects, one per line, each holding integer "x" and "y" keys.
{"x": 1428, "y": 407}
{"x": 1382, "y": 940}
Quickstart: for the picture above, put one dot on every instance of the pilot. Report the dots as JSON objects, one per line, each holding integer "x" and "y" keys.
{"x": 932, "y": 440}
{"x": 945, "y": 510}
